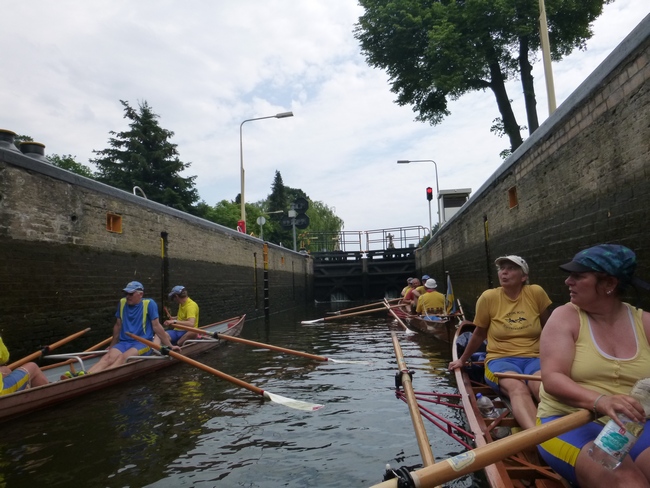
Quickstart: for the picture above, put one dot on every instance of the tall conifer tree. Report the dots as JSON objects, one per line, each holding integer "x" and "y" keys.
{"x": 143, "y": 156}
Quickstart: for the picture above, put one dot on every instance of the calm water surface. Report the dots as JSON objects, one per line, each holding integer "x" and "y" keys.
{"x": 185, "y": 428}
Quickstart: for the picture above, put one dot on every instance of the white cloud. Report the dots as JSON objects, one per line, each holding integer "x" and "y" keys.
{"x": 204, "y": 67}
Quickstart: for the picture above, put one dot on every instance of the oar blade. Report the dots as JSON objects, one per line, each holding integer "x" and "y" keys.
{"x": 316, "y": 321}
{"x": 347, "y": 361}
{"x": 291, "y": 403}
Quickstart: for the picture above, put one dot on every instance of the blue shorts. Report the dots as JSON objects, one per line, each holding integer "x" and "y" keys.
{"x": 562, "y": 452}
{"x": 174, "y": 335}
{"x": 509, "y": 365}
{"x": 16, "y": 381}
{"x": 124, "y": 346}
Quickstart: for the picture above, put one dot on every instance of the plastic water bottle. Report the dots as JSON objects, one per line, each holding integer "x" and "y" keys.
{"x": 488, "y": 410}
{"x": 486, "y": 406}
{"x": 613, "y": 443}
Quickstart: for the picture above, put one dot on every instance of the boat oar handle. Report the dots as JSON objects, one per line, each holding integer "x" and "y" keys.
{"x": 478, "y": 458}
{"x": 47, "y": 349}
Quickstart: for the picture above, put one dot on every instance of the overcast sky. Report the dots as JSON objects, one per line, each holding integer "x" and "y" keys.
{"x": 204, "y": 67}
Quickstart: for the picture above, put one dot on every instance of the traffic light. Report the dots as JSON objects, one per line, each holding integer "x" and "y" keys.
{"x": 429, "y": 193}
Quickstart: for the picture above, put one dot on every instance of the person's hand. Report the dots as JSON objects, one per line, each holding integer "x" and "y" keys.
{"x": 459, "y": 363}
{"x": 613, "y": 405}
{"x": 175, "y": 348}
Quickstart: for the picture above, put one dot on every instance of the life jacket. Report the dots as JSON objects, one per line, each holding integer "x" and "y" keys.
{"x": 145, "y": 304}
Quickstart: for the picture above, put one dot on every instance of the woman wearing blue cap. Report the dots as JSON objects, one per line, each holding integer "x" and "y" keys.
{"x": 593, "y": 350}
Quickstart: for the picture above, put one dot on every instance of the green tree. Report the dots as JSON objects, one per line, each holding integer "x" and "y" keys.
{"x": 436, "y": 50}
{"x": 68, "y": 162}
{"x": 143, "y": 156}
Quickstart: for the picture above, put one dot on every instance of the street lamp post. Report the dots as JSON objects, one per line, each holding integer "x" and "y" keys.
{"x": 281, "y": 115}
{"x": 407, "y": 161}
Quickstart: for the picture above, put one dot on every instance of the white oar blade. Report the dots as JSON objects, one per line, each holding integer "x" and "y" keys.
{"x": 291, "y": 403}
{"x": 312, "y": 321}
{"x": 347, "y": 361}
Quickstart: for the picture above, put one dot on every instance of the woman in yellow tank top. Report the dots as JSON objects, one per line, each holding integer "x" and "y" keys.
{"x": 592, "y": 351}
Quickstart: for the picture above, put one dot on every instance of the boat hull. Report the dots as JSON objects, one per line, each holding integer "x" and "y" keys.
{"x": 443, "y": 329}
{"x": 58, "y": 391}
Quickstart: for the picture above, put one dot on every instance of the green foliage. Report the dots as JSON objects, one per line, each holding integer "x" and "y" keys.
{"x": 68, "y": 162}
{"x": 143, "y": 156}
{"x": 436, "y": 50}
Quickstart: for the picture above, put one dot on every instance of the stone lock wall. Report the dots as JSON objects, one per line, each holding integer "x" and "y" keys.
{"x": 62, "y": 270}
{"x": 583, "y": 178}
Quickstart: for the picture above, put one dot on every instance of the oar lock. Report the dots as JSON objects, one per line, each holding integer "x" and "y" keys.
{"x": 403, "y": 475}
{"x": 398, "y": 377}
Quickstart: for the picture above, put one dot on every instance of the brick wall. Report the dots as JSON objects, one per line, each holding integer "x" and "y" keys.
{"x": 581, "y": 179}
{"x": 62, "y": 270}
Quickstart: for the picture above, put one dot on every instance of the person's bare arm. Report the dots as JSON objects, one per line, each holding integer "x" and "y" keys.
{"x": 478, "y": 336}
{"x": 164, "y": 338}
{"x": 557, "y": 352}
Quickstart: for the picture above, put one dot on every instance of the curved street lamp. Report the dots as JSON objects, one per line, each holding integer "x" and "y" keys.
{"x": 407, "y": 161}
{"x": 281, "y": 115}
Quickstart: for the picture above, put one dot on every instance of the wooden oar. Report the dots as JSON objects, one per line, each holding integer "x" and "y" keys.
{"x": 399, "y": 321}
{"x": 46, "y": 349}
{"x": 411, "y": 401}
{"x": 339, "y": 312}
{"x": 334, "y": 317}
{"x": 287, "y": 402}
{"x": 518, "y": 376}
{"x": 99, "y": 345}
{"x": 478, "y": 458}
{"x": 226, "y": 337}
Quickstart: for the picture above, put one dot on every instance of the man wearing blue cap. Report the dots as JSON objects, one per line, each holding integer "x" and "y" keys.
{"x": 188, "y": 315}
{"x": 138, "y": 316}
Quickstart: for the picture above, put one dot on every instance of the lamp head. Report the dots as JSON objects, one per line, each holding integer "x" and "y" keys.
{"x": 283, "y": 115}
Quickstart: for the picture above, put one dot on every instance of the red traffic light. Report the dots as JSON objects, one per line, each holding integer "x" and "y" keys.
{"x": 429, "y": 193}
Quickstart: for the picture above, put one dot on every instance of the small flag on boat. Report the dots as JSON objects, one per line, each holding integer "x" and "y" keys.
{"x": 450, "y": 302}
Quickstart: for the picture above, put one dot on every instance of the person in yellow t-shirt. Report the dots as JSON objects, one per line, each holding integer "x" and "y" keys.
{"x": 511, "y": 317}
{"x": 25, "y": 376}
{"x": 188, "y": 315}
{"x": 431, "y": 301}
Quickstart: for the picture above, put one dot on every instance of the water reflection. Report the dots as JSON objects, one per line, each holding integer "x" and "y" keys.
{"x": 185, "y": 427}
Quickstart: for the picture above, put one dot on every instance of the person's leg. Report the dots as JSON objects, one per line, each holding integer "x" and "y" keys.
{"x": 36, "y": 376}
{"x": 106, "y": 360}
{"x": 523, "y": 407}
{"x": 188, "y": 336}
{"x": 593, "y": 474}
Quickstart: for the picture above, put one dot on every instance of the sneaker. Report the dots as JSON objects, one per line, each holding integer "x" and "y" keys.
{"x": 69, "y": 374}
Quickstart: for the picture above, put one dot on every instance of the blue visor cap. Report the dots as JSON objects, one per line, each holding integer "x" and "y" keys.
{"x": 176, "y": 291}
{"x": 613, "y": 259}
{"x": 134, "y": 286}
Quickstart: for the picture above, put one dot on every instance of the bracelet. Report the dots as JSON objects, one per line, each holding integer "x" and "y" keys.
{"x": 177, "y": 321}
{"x": 596, "y": 403}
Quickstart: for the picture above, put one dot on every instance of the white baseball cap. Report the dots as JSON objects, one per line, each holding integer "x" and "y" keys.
{"x": 519, "y": 261}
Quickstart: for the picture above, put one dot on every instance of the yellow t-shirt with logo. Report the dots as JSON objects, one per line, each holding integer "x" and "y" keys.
{"x": 432, "y": 301}
{"x": 513, "y": 326}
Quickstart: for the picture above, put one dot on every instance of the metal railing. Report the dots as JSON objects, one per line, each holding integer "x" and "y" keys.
{"x": 364, "y": 241}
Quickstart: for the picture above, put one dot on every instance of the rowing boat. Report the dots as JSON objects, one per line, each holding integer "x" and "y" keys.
{"x": 522, "y": 469}
{"x": 58, "y": 390}
{"x": 442, "y": 327}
